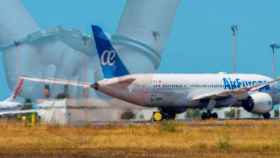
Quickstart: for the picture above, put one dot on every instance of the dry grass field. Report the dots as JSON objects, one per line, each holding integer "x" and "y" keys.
{"x": 213, "y": 139}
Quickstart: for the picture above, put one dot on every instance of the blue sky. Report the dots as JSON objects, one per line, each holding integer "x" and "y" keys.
{"x": 201, "y": 36}
{"x": 201, "y": 40}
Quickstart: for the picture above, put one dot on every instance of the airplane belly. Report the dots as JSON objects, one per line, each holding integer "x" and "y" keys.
{"x": 139, "y": 97}
{"x": 130, "y": 95}
{"x": 145, "y": 96}
{"x": 168, "y": 99}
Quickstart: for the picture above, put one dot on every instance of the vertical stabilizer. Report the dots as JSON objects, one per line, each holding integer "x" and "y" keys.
{"x": 111, "y": 64}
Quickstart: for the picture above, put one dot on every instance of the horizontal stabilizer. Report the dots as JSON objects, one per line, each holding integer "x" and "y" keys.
{"x": 58, "y": 81}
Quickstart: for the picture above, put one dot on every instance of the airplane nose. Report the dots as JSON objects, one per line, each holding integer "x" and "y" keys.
{"x": 95, "y": 86}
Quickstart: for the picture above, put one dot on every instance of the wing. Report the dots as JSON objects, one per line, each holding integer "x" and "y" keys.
{"x": 57, "y": 81}
{"x": 17, "y": 112}
{"x": 240, "y": 93}
{"x": 17, "y": 90}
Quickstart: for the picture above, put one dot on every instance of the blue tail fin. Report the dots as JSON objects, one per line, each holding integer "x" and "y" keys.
{"x": 111, "y": 64}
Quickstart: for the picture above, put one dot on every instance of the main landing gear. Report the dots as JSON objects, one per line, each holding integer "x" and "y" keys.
{"x": 159, "y": 116}
{"x": 267, "y": 116}
{"x": 209, "y": 115}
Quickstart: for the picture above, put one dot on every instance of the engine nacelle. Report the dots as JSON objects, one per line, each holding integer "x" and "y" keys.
{"x": 258, "y": 103}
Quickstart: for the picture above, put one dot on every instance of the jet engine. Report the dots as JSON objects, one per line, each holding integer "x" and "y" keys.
{"x": 258, "y": 103}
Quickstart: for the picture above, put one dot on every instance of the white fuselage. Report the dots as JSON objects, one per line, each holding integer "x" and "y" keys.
{"x": 10, "y": 105}
{"x": 174, "y": 90}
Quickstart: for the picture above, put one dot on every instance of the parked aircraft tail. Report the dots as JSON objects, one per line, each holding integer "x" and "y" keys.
{"x": 111, "y": 64}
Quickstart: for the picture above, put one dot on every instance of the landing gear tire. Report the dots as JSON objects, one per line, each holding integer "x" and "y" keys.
{"x": 157, "y": 116}
{"x": 204, "y": 116}
{"x": 214, "y": 115}
{"x": 266, "y": 116}
{"x": 208, "y": 115}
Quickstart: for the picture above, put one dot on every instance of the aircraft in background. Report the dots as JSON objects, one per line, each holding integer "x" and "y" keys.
{"x": 175, "y": 93}
{"x": 10, "y": 103}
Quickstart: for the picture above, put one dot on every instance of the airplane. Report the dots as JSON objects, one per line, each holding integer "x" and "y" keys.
{"x": 175, "y": 93}
{"x": 10, "y": 103}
